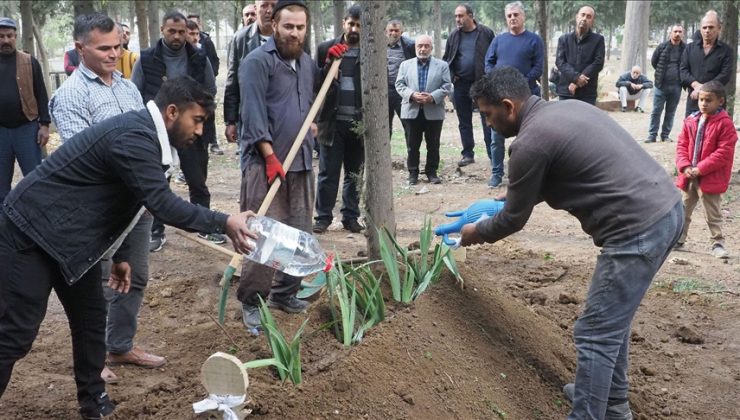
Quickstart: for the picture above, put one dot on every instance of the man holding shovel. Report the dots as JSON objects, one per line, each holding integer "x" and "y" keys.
{"x": 61, "y": 219}
{"x": 575, "y": 158}
{"x": 278, "y": 78}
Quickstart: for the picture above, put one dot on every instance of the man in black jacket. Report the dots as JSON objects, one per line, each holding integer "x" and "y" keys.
{"x": 340, "y": 144}
{"x": 580, "y": 58}
{"x": 666, "y": 61}
{"x": 59, "y": 221}
{"x": 170, "y": 57}
{"x": 710, "y": 59}
{"x": 465, "y": 51}
{"x": 399, "y": 50}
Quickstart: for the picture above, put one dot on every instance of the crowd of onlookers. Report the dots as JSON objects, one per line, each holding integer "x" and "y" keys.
{"x": 164, "y": 95}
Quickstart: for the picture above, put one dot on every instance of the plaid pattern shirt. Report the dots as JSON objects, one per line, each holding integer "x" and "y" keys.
{"x": 423, "y": 69}
{"x": 84, "y": 100}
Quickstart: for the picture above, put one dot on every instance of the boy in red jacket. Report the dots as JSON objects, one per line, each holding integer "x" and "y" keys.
{"x": 704, "y": 155}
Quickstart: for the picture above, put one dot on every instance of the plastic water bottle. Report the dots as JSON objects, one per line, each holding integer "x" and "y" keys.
{"x": 287, "y": 249}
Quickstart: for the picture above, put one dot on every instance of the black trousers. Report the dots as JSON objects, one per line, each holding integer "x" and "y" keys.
{"x": 348, "y": 149}
{"x": 394, "y": 107}
{"x": 27, "y": 276}
{"x": 194, "y": 165}
{"x": 422, "y": 129}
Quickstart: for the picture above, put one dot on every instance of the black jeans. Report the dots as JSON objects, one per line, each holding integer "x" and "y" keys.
{"x": 422, "y": 129}
{"x": 194, "y": 165}
{"x": 464, "y": 110}
{"x": 394, "y": 107}
{"x": 27, "y": 276}
{"x": 347, "y": 149}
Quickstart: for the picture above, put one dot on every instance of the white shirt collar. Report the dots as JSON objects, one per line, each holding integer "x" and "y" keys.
{"x": 169, "y": 153}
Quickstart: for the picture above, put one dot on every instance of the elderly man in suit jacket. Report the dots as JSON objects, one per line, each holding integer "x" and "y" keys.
{"x": 423, "y": 82}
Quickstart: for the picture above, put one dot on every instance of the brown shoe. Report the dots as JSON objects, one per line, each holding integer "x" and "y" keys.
{"x": 108, "y": 376}
{"x": 136, "y": 357}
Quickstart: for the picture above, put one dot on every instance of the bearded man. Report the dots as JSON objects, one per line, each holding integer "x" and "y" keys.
{"x": 278, "y": 78}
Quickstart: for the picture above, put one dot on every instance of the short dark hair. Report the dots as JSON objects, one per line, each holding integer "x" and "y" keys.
{"x": 502, "y": 83}
{"x": 184, "y": 92}
{"x": 123, "y": 25}
{"x": 468, "y": 8}
{"x": 193, "y": 15}
{"x": 715, "y": 87}
{"x": 353, "y": 12}
{"x": 84, "y": 24}
{"x": 174, "y": 16}
{"x": 192, "y": 25}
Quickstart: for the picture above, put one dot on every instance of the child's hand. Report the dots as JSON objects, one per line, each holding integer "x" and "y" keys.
{"x": 695, "y": 172}
{"x": 688, "y": 173}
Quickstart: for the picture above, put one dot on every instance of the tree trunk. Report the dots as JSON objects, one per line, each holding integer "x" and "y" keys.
{"x": 541, "y": 16}
{"x": 83, "y": 7}
{"x": 27, "y": 28}
{"x": 609, "y": 43}
{"x": 339, "y": 17}
{"x": 43, "y": 59}
{"x": 636, "y": 30}
{"x": 153, "y": 17}
{"x": 379, "y": 194}
{"x": 437, "y": 16}
{"x": 142, "y": 23}
{"x": 317, "y": 23}
{"x": 729, "y": 35}
{"x": 131, "y": 15}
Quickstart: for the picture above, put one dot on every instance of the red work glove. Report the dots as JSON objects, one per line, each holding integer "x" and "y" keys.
{"x": 273, "y": 168}
{"x": 336, "y": 51}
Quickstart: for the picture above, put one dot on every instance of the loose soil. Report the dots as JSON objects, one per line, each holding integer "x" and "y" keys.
{"x": 499, "y": 347}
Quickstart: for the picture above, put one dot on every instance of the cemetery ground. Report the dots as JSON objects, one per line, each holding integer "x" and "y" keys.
{"x": 500, "y": 347}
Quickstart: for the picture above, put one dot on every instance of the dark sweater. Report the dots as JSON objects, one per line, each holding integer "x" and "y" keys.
{"x": 576, "y": 158}
{"x": 11, "y": 111}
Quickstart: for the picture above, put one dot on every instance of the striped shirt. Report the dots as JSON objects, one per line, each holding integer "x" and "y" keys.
{"x": 84, "y": 100}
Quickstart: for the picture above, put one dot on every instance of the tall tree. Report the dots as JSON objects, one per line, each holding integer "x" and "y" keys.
{"x": 636, "y": 31}
{"x": 27, "y": 27}
{"x": 339, "y": 6}
{"x": 728, "y": 35}
{"x": 540, "y": 7}
{"x": 142, "y": 23}
{"x": 152, "y": 13}
{"x": 82, "y": 7}
{"x": 379, "y": 198}
{"x": 437, "y": 16}
{"x": 317, "y": 22}
{"x": 43, "y": 59}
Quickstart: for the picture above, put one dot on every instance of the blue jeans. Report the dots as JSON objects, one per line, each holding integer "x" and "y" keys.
{"x": 498, "y": 150}
{"x": 624, "y": 271}
{"x": 668, "y": 96}
{"x": 464, "y": 109}
{"x": 19, "y": 143}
